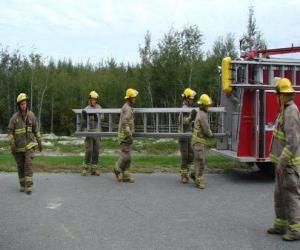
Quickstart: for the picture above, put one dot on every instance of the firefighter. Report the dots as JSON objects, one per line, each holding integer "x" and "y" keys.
{"x": 201, "y": 134}
{"x": 24, "y": 137}
{"x": 185, "y": 125}
{"x": 125, "y": 130}
{"x": 285, "y": 153}
{"x": 92, "y": 143}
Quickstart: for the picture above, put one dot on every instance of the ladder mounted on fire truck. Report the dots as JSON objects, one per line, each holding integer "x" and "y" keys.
{"x": 249, "y": 96}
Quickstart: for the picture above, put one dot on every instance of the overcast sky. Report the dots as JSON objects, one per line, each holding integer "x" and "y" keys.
{"x": 94, "y": 30}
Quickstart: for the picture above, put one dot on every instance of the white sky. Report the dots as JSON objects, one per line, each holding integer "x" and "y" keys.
{"x": 94, "y": 30}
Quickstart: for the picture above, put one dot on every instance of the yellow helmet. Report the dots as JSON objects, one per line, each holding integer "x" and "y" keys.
{"x": 189, "y": 93}
{"x": 284, "y": 85}
{"x": 131, "y": 93}
{"x": 22, "y": 97}
{"x": 204, "y": 100}
{"x": 93, "y": 94}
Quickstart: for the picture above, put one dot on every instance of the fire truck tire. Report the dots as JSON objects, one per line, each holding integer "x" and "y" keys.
{"x": 266, "y": 167}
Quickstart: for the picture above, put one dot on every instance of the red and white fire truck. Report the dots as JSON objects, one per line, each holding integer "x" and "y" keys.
{"x": 249, "y": 97}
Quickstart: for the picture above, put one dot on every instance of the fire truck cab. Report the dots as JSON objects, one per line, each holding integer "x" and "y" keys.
{"x": 249, "y": 97}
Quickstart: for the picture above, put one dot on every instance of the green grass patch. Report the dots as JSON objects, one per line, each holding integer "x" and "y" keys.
{"x": 141, "y": 145}
{"x": 140, "y": 163}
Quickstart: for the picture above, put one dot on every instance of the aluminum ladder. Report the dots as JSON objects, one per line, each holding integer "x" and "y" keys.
{"x": 149, "y": 122}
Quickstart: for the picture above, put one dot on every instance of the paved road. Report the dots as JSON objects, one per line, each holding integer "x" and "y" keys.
{"x": 68, "y": 211}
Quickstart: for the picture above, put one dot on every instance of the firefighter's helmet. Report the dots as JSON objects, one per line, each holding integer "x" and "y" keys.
{"x": 93, "y": 95}
{"x": 22, "y": 97}
{"x": 205, "y": 100}
{"x": 131, "y": 93}
{"x": 189, "y": 93}
{"x": 284, "y": 85}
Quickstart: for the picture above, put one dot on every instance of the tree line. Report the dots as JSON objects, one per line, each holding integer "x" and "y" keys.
{"x": 177, "y": 61}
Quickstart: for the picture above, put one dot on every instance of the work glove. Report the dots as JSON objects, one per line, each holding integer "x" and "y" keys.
{"x": 13, "y": 148}
{"x": 193, "y": 114}
{"x": 128, "y": 132}
{"x": 211, "y": 142}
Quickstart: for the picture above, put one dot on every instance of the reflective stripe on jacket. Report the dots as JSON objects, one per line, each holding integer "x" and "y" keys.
{"x": 201, "y": 131}
{"x": 94, "y": 118}
{"x": 126, "y": 124}
{"x": 22, "y": 131}
{"x": 185, "y": 121}
{"x": 285, "y": 145}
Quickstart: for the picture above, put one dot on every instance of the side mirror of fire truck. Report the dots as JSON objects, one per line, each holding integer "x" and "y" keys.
{"x": 226, "y": 75}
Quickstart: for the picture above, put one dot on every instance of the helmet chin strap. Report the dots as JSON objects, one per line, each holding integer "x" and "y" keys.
{"x": 283, "y": 100}
{"x": 203, "y": 107}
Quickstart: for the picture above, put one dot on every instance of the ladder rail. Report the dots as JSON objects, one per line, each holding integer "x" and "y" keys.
{"x": 156, "y": 129}
{"x": 148, "y": 110}
{"x": 141, "y": 134}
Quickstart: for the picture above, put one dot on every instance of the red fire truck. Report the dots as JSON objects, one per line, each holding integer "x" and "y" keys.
{"x": 249, "y": 97}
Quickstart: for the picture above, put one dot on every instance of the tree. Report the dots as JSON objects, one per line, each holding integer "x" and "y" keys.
{"x": 253, "y": 38}
{"x": 146, "y": 65}
{"x": 224, "y": 46}
{"x": 191, "y": 42}
{"x": 173, "y": 63}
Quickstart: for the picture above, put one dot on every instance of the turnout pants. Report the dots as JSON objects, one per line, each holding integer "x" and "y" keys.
{"x": 187, "y": 154}
{"x": 287, "y": 198}
{"x": 199, "y": 159}
{"x": 24, "y": 165}
{"x": 125, "y": 156}
{"x": 92, "y": 148}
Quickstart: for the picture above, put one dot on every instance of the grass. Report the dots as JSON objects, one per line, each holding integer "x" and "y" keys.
{"x": 140, "y": 163}
{"x": 141, "y": 145}
{"x": 149, "y": 155}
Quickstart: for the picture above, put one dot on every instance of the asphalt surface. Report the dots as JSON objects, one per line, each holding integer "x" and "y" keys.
{"x": 67, "y": 211}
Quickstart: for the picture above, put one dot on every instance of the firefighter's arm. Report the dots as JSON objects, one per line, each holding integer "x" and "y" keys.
{"x": 127, "y": 120}
{"x": 291, "y": 129}
{"x": 205, "y": 127}
{"x": 189, "y": 118}
{"x": 35, "y": 129}
{"x": 186, "y": 119}
{"x": 11, "y": 137}
{"x": 36, "y": 132}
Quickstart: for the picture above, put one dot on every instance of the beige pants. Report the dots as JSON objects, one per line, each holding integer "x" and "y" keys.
{"x": 125, "y": 156}
{"x": 24, "y": 164}
{"x": 186, "y": 151}
{"x": 287, "y": 196}
{"x": 92, "y": 148}
{"x": 199, "y": 159}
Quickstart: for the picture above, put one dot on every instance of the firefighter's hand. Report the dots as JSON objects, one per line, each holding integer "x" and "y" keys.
{"x": 193, "y": 114}
{"x": 13, "y": 148}
{"x": 128, "y": 132}
{"x": 279, "y": 169}
{"x": 40, "y": 145}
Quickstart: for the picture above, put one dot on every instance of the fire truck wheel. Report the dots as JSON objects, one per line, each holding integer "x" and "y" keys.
{"x": 266, "y": 167}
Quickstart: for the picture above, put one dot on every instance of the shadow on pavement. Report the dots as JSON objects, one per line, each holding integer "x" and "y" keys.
{"x": 250, "y": 176}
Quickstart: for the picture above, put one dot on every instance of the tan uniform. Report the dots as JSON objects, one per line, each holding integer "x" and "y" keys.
{"x": 201, "y": 133}
{"x": 285, "y": 150}
{"x": 92, "y": 143}
{"x": 23, "y": 132}
{"x": 185, "y": 146}
{"x": 126, "y": 127}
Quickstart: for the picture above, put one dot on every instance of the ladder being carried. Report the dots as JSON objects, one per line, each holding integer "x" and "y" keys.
{"x": 149, "y": 122}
